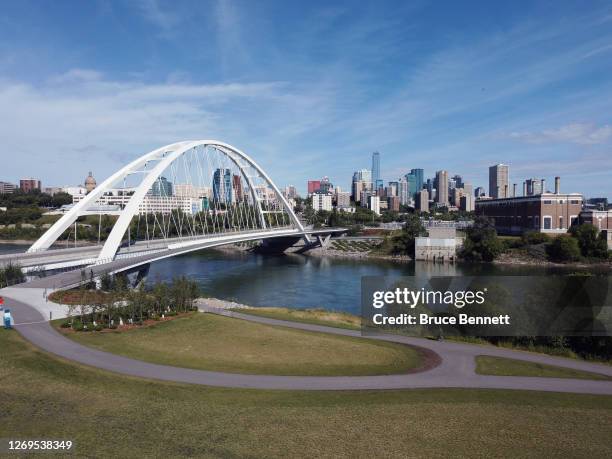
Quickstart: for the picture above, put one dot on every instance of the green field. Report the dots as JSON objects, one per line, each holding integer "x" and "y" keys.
{"x": 500, "y": 366}
{"x": 212, "y": 342}
{"x": 107, "y": 415}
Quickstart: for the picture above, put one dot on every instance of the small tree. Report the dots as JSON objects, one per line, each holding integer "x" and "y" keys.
{"x": 591, "y": 243}
{"x": 481, "y": 243}
{"x": 106, "y": 282}
{"x": 563, "y": 248}
{"x": 403, "y": 243}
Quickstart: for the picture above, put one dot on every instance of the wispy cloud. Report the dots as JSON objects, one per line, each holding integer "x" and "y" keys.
{"x": 164, "y": 18}
{"x": 577, "y": 133}
{"x": 599, "y": 50}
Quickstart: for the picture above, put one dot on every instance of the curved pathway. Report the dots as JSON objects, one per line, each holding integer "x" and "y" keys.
{"x": 456, "y": 370}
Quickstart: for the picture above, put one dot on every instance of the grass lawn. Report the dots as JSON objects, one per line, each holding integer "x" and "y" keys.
{"x": 108, "y": 415}
{"x": 309, "y": 316}
{"x": 212, "y": 342}
{"x": 501, "y": 366}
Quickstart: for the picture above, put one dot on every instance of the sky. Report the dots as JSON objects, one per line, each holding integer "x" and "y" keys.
{"x": 311, "y": 89}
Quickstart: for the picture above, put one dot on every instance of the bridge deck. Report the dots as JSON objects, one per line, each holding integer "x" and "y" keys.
{"x": 138, "y": 256}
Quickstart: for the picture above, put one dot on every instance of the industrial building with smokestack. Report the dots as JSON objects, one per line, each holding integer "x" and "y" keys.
{"x": 536, "y": 210}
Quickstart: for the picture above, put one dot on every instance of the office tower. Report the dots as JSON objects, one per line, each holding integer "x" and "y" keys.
{"x": 358, "y": 187}
{"x": 375, "y": 168}
{"x": 392, "y": 189}
{"x": 458, "y": 180}
{"x": 402, "y": 191}
{"x": 29, "y": 184}
{"x": 479, "y": 191}
{"x": 415, "y": 182}
{"x": 7, "y": 188}
{"x": 420, "y": 177}
{"x": 393, "y": 203}
{"x": 466, "y": 202}
{"x": 222, "y": 185}
{"x": 322, "y": 201}
{"x": 343, "y": 199}
{"x": 290, "y": 192}
{"x": 498, "y": 181}
{"x": 313, "y": 185}
{"x": 534, "y": 186}
{"x": 237, "y": 186}
{"x": 362, "y": 180}
{"x": 162, "y": 187}
{"x": 422, "y": 201}
{"x": 325, "y": 185}
{"x": 374, "y": 204}
{"x": 442, "y": 188}
{"x": 468, "y": 189}
{"x": 412, "y": 185}
{"x": 455, "y": 196}
{"x": 365, "y": 175}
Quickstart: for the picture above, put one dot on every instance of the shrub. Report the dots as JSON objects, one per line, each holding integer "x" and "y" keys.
{"x": 534, "y": 238}
{"x": 591, "y": 243}
{"x": 563, "y": 248}
{"x": 65, "y": 325}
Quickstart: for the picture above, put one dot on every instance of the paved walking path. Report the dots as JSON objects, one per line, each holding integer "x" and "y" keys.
{"x": 456, "y": 370}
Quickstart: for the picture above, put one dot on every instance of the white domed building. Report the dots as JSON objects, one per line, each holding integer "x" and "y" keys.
{"x": 90, "y": 183}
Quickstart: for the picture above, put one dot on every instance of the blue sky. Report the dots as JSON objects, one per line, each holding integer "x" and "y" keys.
{"x": 311, "y": 88}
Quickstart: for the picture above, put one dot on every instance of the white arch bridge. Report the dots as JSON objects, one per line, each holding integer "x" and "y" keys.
{"x": 179, "y": 198}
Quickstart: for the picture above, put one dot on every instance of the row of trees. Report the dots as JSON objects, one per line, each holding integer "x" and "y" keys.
{"x": 117, "y": 304}
{"x": 34, "y": 198}
{"x": 583, "y": 243}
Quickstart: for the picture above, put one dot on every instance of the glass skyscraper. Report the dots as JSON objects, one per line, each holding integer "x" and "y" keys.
{"x": 415, "y": 182}
{"x": 375, "y": 168}
{"x": 222, "y": 185}
{"x": 162, "y": 187}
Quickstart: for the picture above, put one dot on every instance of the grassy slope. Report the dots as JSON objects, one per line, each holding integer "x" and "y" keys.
{"x": 353, "y": 322}
{"x": 114, "y": 416}
{"x": 211, "y": 342}
{"x": 309, "y": 316}
{"x": 500, "y": 366}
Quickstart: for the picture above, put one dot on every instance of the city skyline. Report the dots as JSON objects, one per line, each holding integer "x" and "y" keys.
{"x": 428, "y": 87}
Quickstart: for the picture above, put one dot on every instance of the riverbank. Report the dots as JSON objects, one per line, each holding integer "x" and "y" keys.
{"x": 523, "y": 259}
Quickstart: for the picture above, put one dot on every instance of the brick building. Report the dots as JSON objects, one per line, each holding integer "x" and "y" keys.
{"x": 602, "y": 219}
{"x": 550, "y": 213}
{"x": 29, "y": 184}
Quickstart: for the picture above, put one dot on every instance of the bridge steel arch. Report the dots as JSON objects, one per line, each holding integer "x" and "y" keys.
{"x": 164, "y": 156}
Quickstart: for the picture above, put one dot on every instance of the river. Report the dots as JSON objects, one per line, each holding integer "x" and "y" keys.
{"x": 299, "y": 281}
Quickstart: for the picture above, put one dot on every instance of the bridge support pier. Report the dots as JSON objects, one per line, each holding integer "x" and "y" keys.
{"x": 138, "y": 276}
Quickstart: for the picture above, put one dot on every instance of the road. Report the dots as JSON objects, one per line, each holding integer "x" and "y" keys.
{"x": 456, "y": 369}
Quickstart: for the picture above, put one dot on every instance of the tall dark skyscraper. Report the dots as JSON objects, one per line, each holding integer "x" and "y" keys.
{"x": 419, "y": 175}
{"x": 222, "y": 185}
{"x": 375, "y": 169}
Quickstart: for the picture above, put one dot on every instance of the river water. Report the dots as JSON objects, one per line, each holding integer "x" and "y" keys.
{"x": 299, "y": 281}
